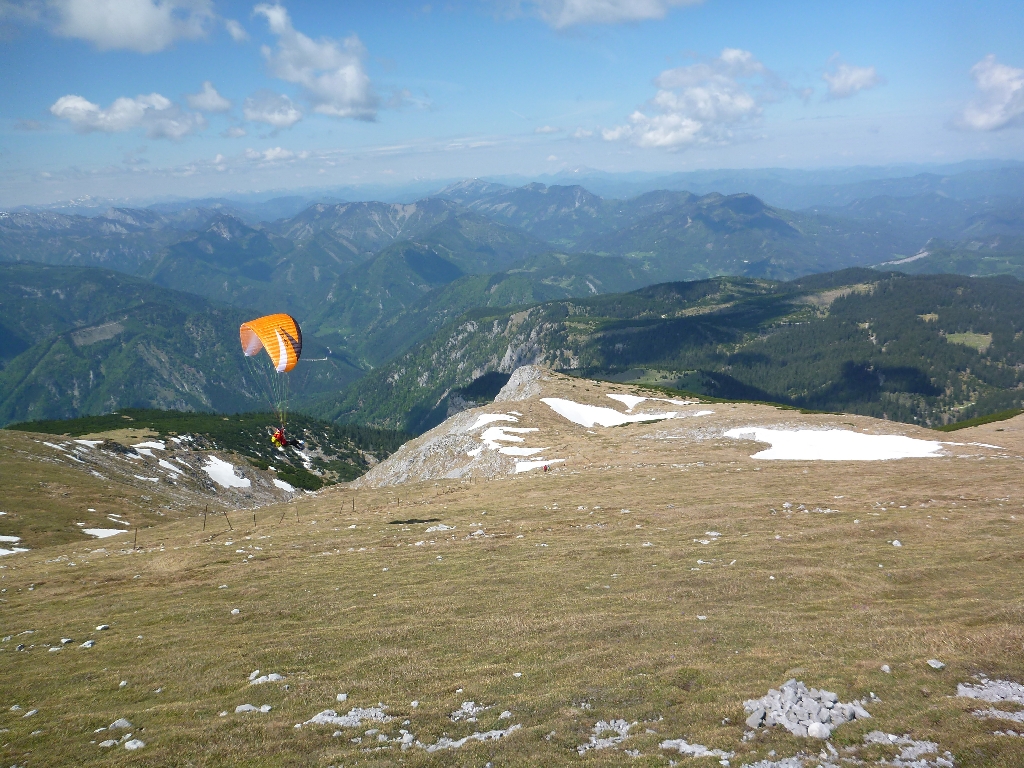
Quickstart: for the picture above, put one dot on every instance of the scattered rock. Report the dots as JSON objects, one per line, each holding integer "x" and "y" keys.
{"x": 694, "y": 750}
{"x": 102, "y": 627}
{"x": 121, "y": 722}
{"x": 600, "y": 739}
{"x": 886, "y": 669}
{"x": 273, "y": 677}
{"x": 468, "y": 712}
{"x": 936, "y": 664}
{"x": 134, "y": 744}
{"x": 796, "y": 708}
{"x": 446, "y": 743}
{"x": 109, "y": 743}
{"x": 88, "y": 644}
{"x": 818, "y": 731}
{"x": 355, "y": 717}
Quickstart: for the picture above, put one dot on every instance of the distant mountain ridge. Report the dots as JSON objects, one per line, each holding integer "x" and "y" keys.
{"x": 925, "y": 349}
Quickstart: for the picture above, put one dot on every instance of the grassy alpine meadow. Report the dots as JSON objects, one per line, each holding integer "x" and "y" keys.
{"x": 657, "y": 583}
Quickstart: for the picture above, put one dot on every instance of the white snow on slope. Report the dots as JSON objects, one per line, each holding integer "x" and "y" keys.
{"x": 487, "y": 418}
{"x": 492, "y": 435}
{"x": 102, "y": 533}
{"x": 11, "y": 551}
{"x": 590, "y": 415}
{"x": 169, "y": 467}
{"x": 158, "y": 444}
{"x": 834, "y": 445}
{"x": 89, "y": 443}
{"x": 632, "y": 401}
{"x": 10, "y": 539}
{"x": 223, "y": 474}
{"x": 283, "y": 485}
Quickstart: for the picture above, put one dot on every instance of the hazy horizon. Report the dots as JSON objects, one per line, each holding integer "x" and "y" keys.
{"x": 154, "y": 99}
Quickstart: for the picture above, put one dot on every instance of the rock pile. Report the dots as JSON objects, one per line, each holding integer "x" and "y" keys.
{"x": 803, "y": 711}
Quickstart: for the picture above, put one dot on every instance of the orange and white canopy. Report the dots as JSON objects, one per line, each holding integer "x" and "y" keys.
{"x": 279, "y": 334}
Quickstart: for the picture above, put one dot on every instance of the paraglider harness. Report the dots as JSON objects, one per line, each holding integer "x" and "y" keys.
{"x": 279, "y": 439}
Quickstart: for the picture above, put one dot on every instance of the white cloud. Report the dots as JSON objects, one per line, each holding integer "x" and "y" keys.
{"x": 270, "y": 155}
{"x": 273, "y": 109}
{"x": 1000, "y": 101}
{"x": 582, "y": 133}
{"x": 162, "y": 118}
{"x": 236, "y": 30}
{"x": 208, "y": 100}
{"x": 547, "y": 129}
{"x": 145, "y": 26}
{"x": 846, "y": 80}
{"x": 331, "y": 72}
{"x": 702, "y": 103}
{"x": 567, "y": 13}
{"x": 234, "y": 132}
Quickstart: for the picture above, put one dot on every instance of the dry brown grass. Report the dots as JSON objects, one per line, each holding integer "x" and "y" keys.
{"x": 594, "y": 618}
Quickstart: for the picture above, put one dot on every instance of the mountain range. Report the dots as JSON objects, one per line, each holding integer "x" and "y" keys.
{"x": 374, "y": 282}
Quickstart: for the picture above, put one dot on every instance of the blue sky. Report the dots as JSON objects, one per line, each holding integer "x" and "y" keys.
{"x": 107, "y": 97}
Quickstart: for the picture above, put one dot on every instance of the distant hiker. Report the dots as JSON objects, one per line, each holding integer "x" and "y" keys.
{"x": 545, "y": 467}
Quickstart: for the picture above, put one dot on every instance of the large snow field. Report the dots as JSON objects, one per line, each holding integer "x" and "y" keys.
{"x": 834, "y": 445}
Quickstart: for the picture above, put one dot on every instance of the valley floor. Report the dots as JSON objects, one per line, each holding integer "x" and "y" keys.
{"x": 633, "y": 595}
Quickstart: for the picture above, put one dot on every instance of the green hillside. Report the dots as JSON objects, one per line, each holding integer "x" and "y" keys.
{"x": 993, "y": 255}
{"x": 890, "y": 345}
{"x": 88, "y": 341}
{"x": 740, "y": 235}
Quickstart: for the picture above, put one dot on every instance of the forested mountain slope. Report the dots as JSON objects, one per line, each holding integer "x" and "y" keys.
{"x": 87, "y": 341}
{"x": 929, "y": 349}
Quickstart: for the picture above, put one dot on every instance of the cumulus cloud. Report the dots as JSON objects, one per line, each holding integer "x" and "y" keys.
{"x": 547, "y": 129}
{"x": 234, "y": 132}
{"x": 582, "y": 133}
{"x": 158, "y": 115}
{"x": 568, "y": 13}
{"x": 1000, "y": 99}
{"x": 236, "y": 30}
{"x": 702, "y": 103}
{"x": 845, "y": 80}
{"x": 208, "y": 100}
{"x": 145, "y": 26}
{"x": 276, "y": 110}
{"x": 332, "y": 73}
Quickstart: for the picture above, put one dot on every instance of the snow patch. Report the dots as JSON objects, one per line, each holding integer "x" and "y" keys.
{"x": 102, "y": 533}
{"x": 834, "y": 445}
{"x": 591, "y": 415}
{"x": 487, "y": 418}
{"x": 223, "y": 473}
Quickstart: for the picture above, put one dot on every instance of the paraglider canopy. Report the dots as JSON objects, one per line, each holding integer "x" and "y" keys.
{"x": 278, "y": 334}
